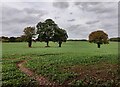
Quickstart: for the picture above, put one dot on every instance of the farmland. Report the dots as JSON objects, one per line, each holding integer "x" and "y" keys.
{"x": 75, "y": 63}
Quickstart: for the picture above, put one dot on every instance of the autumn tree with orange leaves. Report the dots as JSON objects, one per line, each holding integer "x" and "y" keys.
{"x": 99, "y": 37}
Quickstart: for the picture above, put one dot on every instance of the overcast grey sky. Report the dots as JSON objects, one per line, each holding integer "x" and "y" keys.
{"x": 77, "y": 18}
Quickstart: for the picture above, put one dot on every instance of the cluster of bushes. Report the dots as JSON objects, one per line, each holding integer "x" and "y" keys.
{"x": 21, "y": 39}
{"x": 117, "y": 39}
{"x": 11, "y": 39}
{"x": 77, "y": 40}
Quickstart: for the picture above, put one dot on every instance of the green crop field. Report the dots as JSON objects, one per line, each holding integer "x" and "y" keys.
{"x": 76, "y": 63}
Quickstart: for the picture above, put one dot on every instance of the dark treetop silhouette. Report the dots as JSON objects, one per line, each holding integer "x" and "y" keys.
{"x": 60, "y": 36}
{"x": 49, "y": 31}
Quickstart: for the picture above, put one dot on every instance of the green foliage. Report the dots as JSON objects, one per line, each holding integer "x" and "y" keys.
{"x": 12, "y": 39}
{"x": 4, "y": 39}
{"x": 117, "y": 39}
{"x": 49, "y": 31}
{"x": 54, "y": 62}
{"x": 12, "y": 77}
{"x": 29, "y": 32}
{"x": 60, "y": 35}
{"x": 46, "y": 30}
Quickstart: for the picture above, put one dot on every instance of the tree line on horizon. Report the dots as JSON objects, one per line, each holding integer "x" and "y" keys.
{"x": 49, "y": 31}
{"x": 20, "y": 39}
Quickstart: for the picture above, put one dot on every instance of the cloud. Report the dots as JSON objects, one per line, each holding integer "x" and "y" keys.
{"x": 78, "y": 31}
{"x": 15, "y": 20}
{"x": 61, "y": 5}
{"x": 77, "y": 18}
{"x": 13, "y": 15}
{"x": 71, "y": 13}
{"x": 56, "y": 17}
{"x": 105, "y": 12}
{"x": 71, "y": 20}
{"x": 119, "y": 18}
{"x": 97, "y": 7}
{"x": 92, "y": 22}
{"x": 35, "y": 12}
{"x": 86, "y": 3}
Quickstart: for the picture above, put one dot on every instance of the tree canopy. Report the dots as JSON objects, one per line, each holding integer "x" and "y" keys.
{"x": 49, "y": 31}
{"x": 99, "y": 37}
{"x": 60, "y": 36}
{"x": 28, "y": 33}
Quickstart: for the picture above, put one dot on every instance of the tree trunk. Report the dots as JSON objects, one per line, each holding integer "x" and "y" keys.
{"x": 30, "y": 43}
{"x": 60, "y": 43}
{"x": 47, "y": 43}
{"x": 98, "y": 45}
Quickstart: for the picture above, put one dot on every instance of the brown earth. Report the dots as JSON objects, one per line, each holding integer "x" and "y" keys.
{"x": 100, "y": 71}
{"x": 42, "y": 81}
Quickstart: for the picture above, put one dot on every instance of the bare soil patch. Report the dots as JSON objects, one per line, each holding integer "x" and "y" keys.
{"x": 102, "y": 72}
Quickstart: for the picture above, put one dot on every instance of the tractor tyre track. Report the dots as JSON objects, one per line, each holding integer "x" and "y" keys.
{"x": 42, "y": 81}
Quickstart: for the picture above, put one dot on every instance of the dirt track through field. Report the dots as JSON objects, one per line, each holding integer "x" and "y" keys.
{"x": 42, "y": 81}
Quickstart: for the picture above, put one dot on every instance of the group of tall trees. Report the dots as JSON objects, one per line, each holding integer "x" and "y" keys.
{"x": 11, "y": 39}
{"x": 48, "y": 31}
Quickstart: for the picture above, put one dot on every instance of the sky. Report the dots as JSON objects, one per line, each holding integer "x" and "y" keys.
{"x": 79, "y": 19}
